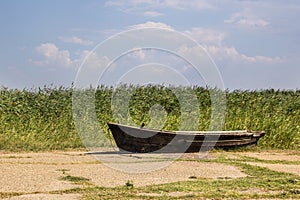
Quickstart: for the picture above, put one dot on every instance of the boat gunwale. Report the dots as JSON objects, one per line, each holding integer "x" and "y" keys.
{"x": 210, "y": 133}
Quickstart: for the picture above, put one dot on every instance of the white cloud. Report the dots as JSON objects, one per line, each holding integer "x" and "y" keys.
{"x": 93, "y": 65}
{"x": 206, "y": 36}
{"x": 93, "y": 61}
{"x": 213, "y": 41}
{"x": 223, "y": 54}
{"x": 152, "y": 14}
{"x": 230, "y": 53}
{"x": 76, "y": 40}
{"x": 143, "y": 6}
{"x": 253, "y": 22}
{"x": 137, "y": 53}
{"x": 191, "y": 4}
{"x": 114, "y": 3}
{"x": 246, "y": 18}
{"x": 53, "y": 56}
{"x": 151, "y": 24}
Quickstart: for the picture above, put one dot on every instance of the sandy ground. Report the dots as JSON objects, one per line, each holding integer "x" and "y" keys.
{"x": 276, "y": 156}
{"x": 293, "y": 169}
{"x": 285, "y": 156}
{"x": 46, "y": 197}
{"x": 41, "y": 172}
{"x": 37, "y": 174}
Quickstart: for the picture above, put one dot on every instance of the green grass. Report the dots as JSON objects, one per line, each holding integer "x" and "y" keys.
{"x": 74, "y": 179}
{"x": 42, "y": 118}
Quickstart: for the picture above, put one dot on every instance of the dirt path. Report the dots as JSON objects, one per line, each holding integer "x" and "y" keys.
{"x": 41, "y": 175}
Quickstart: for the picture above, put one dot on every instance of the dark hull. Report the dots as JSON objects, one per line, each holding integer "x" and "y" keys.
{"x": 142, "y": 140}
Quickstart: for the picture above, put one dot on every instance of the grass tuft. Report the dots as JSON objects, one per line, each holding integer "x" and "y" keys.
{"x": 74, "y": 179}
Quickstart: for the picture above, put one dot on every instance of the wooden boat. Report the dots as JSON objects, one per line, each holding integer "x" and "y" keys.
{"x": 143, "y": 140}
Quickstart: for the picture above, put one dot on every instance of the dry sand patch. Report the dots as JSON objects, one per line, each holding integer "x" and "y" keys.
{"x": 46, "y": 158}
{"x": 293, "y": 169}
{"x": 42, "y": 172}
{"x": 45, "y": 197}
{"x": 177, "y": 171}
{"x": 282, "y": 156}
{"x": 31, "y": 178}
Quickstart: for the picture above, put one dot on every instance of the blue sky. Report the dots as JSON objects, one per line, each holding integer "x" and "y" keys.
{"x": 255, "y": 44}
